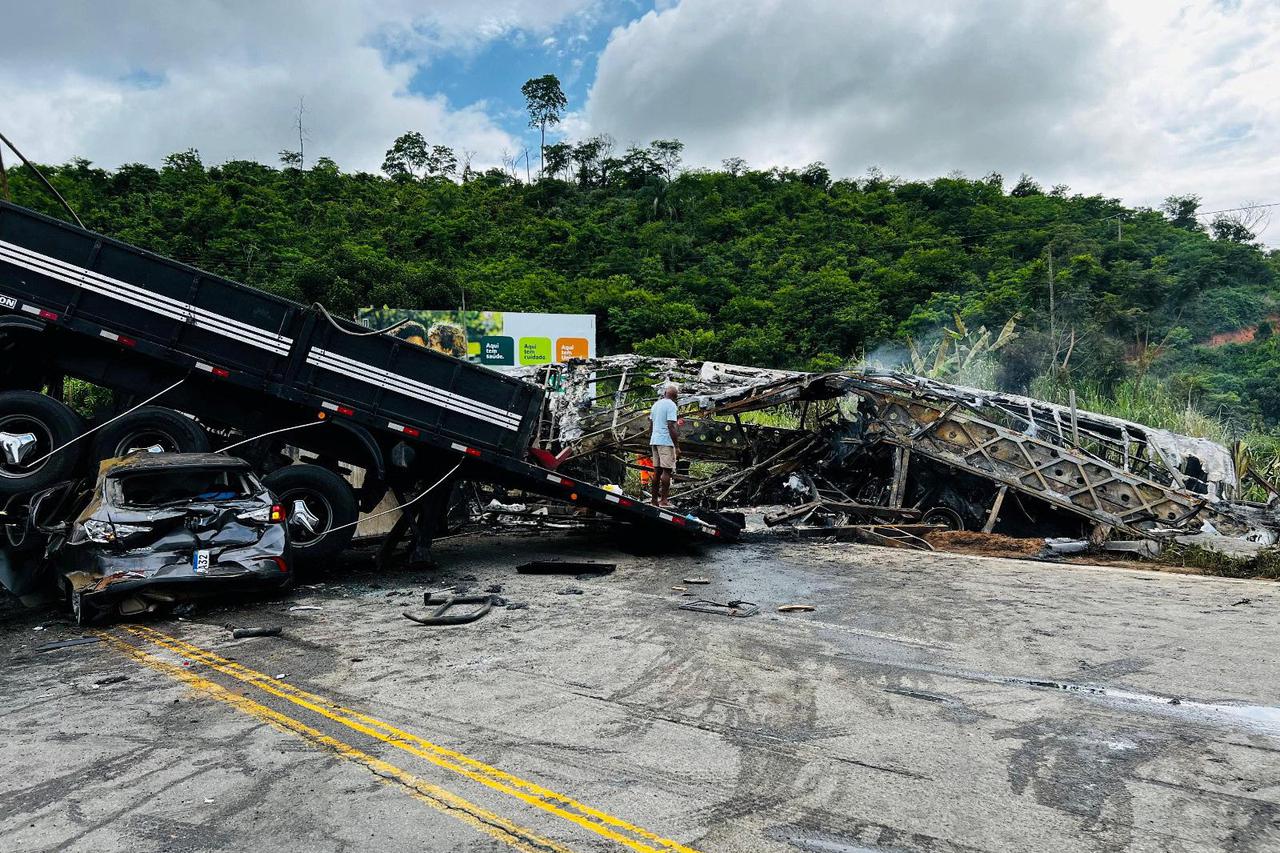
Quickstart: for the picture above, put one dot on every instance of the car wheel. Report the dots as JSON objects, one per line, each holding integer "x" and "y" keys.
{"x": 31, "y": 426}
{"x": 316, "y": 500}
{"x": 150, "y": 428}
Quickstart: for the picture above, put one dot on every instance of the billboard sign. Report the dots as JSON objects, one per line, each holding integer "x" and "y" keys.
{"x": 497, "y": 339}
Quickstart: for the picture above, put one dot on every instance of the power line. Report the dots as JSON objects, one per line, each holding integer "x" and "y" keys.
{"x": 1242, "y": 207}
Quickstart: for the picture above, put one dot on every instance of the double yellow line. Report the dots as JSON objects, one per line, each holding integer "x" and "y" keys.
{"x": 530, "y": 793}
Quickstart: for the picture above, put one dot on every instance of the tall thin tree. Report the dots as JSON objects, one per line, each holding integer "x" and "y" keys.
{"x": 546, "y": 102}
{"x": 302, "y": 149}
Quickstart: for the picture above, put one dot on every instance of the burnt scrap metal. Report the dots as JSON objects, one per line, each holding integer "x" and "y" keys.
{"x": 877, "y": 448}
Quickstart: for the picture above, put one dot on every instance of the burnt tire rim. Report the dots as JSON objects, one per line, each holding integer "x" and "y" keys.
{"x": 944, "y": 515}
{"x": 316, "y": 504}
{"x": 22, "y": 425}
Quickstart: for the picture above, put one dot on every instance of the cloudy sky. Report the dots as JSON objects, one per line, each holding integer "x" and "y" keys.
{"x": 1137, "y": 99}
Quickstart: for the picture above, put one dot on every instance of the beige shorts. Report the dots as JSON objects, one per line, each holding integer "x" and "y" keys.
{"x": 663, "y": 455}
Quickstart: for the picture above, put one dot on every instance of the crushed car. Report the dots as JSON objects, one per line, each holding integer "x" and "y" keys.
{"x": 153, "y": 530}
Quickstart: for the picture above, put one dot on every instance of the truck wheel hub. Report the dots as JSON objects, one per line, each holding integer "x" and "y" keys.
{"x": 302, "y": 516}
{"x": 17, "y": 446}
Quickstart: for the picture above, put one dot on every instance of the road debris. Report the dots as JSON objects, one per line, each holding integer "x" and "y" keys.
{"x": 109, "y": 680}
{"x": 697, "y": 581}
{"x": 735, "y": 608}
{"x": 586, "y": 568}
{"x": 241, "y": 633}
{"x": 443, "y": 604}
{"x": 986, "y": 544}
{"x": 796, "y": 608}
{"x": 66, "y": 644}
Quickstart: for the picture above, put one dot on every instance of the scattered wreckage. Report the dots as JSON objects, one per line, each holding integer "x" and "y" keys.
{"x": 152, "y": 529}
{"x": 895, "y": 455}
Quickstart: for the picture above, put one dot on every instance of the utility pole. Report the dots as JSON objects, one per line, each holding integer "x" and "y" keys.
{"x": 1053, "y": 317}
{"x": 302, "y": 155}
{"x": 4, "y": 178}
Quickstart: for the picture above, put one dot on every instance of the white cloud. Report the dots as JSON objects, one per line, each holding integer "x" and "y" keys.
{"x": 123, "y": 82}
{"x": 1131, "y": 98}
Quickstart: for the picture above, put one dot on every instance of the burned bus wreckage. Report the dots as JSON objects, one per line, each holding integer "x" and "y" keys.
{"x": 873, "y": 448}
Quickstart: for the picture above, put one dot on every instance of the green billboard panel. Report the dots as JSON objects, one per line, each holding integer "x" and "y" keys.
{"x": 498, "y": 350}
{"x": 535, "y": 350}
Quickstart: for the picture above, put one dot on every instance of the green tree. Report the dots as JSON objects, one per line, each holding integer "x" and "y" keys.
{"x": 1181, "y": 211}
{"x": 545, "y": 101}
{"x": 667, "y": 153}
{"x": 407, "y": 156}
{"x": 410, "y": 156}
{"x": 558, "y": 158}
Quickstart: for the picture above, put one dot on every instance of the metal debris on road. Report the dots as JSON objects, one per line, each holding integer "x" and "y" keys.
{"x": 697, "y": 580}
{"x": 796, "y": 608}
{"x": 241, "y": 633}
{"x": 735, "y": 608}
{"x": 443, "y": 604}
{"x": 66, "y": 644}
{"x": 587, "y": 568}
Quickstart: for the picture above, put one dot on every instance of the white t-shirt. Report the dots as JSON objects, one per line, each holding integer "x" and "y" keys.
{"x": 664, "y": 410}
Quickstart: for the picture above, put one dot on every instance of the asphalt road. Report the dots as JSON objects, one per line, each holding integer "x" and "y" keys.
{"x": 929, "y": 703}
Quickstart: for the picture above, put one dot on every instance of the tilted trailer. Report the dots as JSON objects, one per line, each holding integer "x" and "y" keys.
{"x": 225, "y": 361}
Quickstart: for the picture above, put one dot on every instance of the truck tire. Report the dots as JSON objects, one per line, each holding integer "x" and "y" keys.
{"x": 328, "y": 501}
{"x": 51, "y": 423}
{"x": 147, "y": 427}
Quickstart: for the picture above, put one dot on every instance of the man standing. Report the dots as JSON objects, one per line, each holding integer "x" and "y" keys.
{"x": 663, "y": 441}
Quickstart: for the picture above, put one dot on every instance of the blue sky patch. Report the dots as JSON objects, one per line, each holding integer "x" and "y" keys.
{"x": 493, "y": 75}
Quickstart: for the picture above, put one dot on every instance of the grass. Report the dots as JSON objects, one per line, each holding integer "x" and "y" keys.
{"x": 1142, "y": 400}
{"x": 1266, "y": 565}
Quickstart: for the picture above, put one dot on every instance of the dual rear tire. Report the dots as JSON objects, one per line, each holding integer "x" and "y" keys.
{"x": 32, "y": 426}
{"x": 38, "y": 445}
{"x": 150, "y": 429}
{"x": 320, "y": 504}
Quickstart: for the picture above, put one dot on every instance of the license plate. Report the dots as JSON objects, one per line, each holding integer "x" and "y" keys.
{"x": 200, "y": 560}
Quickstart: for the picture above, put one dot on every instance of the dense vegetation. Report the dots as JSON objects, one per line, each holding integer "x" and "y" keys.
{"x": 778, "y": 268}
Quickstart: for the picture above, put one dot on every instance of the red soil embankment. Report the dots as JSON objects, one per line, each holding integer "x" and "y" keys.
{"x": 1238, "y": 336}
